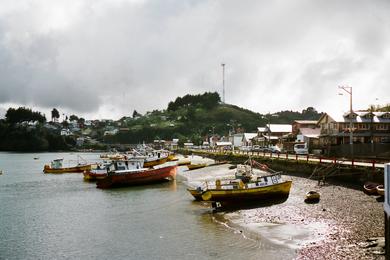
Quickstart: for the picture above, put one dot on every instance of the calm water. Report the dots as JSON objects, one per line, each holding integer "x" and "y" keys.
{"x": 61, "y": 216}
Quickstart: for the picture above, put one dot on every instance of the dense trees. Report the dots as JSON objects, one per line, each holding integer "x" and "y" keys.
{"x": 23, "y": 114}
{"x": 207, "y": 100}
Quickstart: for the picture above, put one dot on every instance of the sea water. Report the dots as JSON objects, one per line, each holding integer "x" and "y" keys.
{"x": 49, "y": 216}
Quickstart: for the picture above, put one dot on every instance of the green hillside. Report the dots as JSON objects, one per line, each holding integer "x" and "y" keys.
{"x": 194, "y": 117}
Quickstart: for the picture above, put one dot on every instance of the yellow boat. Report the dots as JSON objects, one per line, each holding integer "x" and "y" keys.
{"x": 246, "y": 187}
{"x": 249, "y": 191}
{"x": 196, "y": 166}
{"x": 56, "y": 167}
{"x": 312, "y": 196}
{"x": 153, "y": 162}
{"x": 184, "y": 161}
{"x": 196, "y": 193}
{"x": 172, "y": 158}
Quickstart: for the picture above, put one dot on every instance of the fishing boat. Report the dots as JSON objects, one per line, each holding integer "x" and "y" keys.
{"x": 244, "y": 187}
{"x": 57, "y": 168}
{"x": 172, "y": 158}
{"x": 120, "y": 174}
{"x": 98, "y": 172}
{"x": 380, "y": 189}
{"x": 151, "y": 157}
{"x": 312, "y": 196}
{"x": 370, "y": 188}
{"x": 183, "y": 161}
{"x": 194, "y": 166}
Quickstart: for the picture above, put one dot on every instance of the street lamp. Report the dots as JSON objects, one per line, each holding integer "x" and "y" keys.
{"x": 349, "y": 91}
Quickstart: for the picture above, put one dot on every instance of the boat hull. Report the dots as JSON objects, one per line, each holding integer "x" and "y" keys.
{"x": 149, "y": 164}
{"x": 380, "y": 189}
{"x": 196, "y": 166}
{"x": 138, "y": 178}
{"x": 196, "y": 194}
{"x": 279, "y": 190}
{"x": 75, "y": 169}
{"x": 370, "y": 188}
{"x": 90, "y": 176}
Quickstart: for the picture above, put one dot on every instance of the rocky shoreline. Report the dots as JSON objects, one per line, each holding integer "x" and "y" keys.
{"x": 346, "y": 223}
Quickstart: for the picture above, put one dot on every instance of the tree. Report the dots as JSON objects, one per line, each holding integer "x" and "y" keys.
{"x": 23, "y": 114}
{"x": 136, "y": 114}
{"x": 55, "y": 115}
{"x": 73, "y": 118}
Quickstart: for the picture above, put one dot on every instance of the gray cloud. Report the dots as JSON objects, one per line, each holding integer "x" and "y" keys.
{"x": 106, "y": 58}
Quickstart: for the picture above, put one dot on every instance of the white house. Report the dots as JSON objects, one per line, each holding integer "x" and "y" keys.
{"x": 66, "y": 131}
{"x": 247, "y": 139}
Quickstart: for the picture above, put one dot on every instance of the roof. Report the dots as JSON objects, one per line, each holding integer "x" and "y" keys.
{"x": 261, "y": 129}
{"x": 271, "y": 137}
{"x": 310, "y": 132}
{"x": 343, "y": 117}
{"x": 223, "y": 143}
{"x": 306, "y": 121}
{"x": 249, "y": 136}
{"x": 280, "y": 128}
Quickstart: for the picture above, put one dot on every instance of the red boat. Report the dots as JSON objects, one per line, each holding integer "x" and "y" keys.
{"x": 137, "y": 176}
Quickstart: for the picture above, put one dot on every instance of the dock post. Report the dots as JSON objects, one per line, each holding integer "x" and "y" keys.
{"x": 320, "y": 159}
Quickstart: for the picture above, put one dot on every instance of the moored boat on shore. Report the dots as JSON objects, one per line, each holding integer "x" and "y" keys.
{"x": 244, "y": 187}
{"x": 196, "y": 166}
{"x": 312, "y": 196}
{"x": 380, "y": 189}
{"x": 370, "y": 188}
{"x": 126, "y": 177}
{"x": 56, "y": 167}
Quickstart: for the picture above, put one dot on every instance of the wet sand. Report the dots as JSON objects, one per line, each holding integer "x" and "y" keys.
{"x": 334, "y": 228}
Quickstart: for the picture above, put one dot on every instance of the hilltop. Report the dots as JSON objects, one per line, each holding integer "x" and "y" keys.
{"x": 194, "y": 117}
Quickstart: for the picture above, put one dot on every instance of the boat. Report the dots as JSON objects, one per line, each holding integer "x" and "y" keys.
{"x": 380, "y": 189}
{"x": 98, "y": 172}
{"x": 151, "y": 157}
{"x": 172, "y": 158}
{"x": 57, "y": 168}
{"x": 312, "y": 196}
{"x": 36, "y": 158}
{"x": 370, "y": 188}
{"x": 119, "y": 174}
{"x": 183, "y": 161}
{"x": 194, "y": 166}
{"x": 244, "y": 187}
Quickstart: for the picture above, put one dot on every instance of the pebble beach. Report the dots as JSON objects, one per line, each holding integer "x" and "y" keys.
{"x": 345, "y": 224}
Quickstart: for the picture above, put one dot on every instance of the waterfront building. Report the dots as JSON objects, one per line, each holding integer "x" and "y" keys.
{"x": 273, "y": 134}
{"x": 371, "y": 133}
{"x": 367, "y": 127}
{"x": 248, "y": 138}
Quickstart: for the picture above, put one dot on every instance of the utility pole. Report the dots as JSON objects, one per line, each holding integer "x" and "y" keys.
{"x": 223, "y": 82}
{"x": 349, "y": 91}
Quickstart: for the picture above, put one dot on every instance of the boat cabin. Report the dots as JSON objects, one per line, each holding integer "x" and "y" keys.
{"x": 57, "y": 163}
{"x": 126, "y": 165}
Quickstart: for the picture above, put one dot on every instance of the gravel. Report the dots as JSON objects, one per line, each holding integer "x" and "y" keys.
{"x": 336, "y": 228}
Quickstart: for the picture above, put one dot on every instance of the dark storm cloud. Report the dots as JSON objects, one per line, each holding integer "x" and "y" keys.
{"x": 116, "y": 56}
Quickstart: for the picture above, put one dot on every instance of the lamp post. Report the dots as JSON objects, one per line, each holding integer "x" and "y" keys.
{"x": 349, "y": 91}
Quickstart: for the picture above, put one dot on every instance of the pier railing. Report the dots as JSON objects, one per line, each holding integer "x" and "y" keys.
{"x": 309, "y": 158}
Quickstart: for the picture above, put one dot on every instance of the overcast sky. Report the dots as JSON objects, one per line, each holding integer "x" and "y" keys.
{"x": 105, "y": 58}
